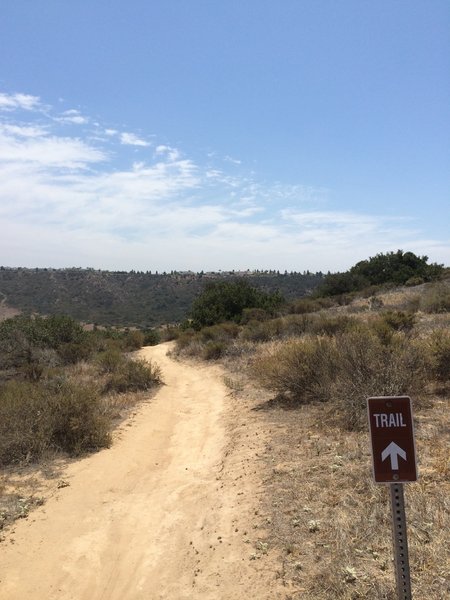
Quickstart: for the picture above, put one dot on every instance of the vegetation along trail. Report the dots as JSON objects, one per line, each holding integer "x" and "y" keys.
{"x": 158, "y": 515}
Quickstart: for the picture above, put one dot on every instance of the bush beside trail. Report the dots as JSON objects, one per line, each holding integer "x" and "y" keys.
{"x": 57, "y": 382}
{"x": 304, "y": 368}
{"x": 133, "y": 375}
{"x": 321, "y": 363}
{"x": 346, "y": 368}
{"x": 51, "y": 415}
{"x": 334, "y": 354}
{"x": 438, "y": 352}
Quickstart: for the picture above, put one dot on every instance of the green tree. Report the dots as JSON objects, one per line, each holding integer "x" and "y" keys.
{"x": 398, "y": 268}
{"x": 226, "y": 300}
{"x": 30, "y": 343}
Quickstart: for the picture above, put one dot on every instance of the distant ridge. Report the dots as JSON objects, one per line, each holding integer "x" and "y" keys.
{"x": 135, "y": 298}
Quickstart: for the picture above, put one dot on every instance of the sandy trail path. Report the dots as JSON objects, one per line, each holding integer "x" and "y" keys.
{"x": 153, "y": 517}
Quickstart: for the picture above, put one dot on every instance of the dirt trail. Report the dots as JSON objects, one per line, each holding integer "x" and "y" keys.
{"x": 160, "y": 515}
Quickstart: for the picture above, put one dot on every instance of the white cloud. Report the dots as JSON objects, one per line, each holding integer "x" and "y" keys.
{"x": 10, "y": 102}
{"x": 213, "y": 173}
{"x": 48, "y": 151}
{"x": 325, "y": 218}
{"x": 171, "y": 153}
{"x": 130, "y": 139}
{"x": 73, "y": 116}
{"x": 65, "y": 200}
{"x": 32, "y": 131}
{"x": 232, "y": 160}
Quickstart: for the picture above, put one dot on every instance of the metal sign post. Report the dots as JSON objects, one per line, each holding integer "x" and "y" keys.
{"x": 400, "y": 542}
{"x": 394, "y": 462}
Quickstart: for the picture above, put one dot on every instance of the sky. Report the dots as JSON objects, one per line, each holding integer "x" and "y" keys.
{"x": 246, "y": 134}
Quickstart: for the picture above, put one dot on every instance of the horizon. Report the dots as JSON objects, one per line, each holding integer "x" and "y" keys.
{"x": 243, "y": 271}
{"x": 220, "y": 138}
{"x": 156, "y": 272}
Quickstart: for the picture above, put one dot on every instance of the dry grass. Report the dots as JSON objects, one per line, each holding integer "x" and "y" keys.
{"x": 302, "y": 367}
{"x": 24, "y": 487}
{"x": 326, "y": 519}
{"x": 343, "y": 369}
{"x": 331, "y": 524}
{"x": 72, "y": 410}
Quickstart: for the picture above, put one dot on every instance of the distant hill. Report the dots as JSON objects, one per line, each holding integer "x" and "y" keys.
{"x": 133, "y": 298}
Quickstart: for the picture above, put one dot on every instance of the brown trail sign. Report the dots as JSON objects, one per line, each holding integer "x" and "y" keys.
{"x": 392, "y": 435}
{"x": 394, "y": 462}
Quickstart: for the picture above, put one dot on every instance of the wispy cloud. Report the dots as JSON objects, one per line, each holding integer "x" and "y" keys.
{"x": 171, "y": 153}
{"x": 101, "y": 198}
{"x": 46, "y": 151}
{"x": 130, "y": 139}
{"x": 10, "y": 102}
{"x": 72, "y": 116}
{"x": 32, "y": 131}
{"x": 234, "y": 161}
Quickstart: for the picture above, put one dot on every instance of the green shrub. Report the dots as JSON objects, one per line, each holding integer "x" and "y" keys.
{"x": 255, "y": 331}
{"x": 55, "y": 414}
{"x": 221, "y": 332}
{"x": 170, "y": 332}
{"x": 368, "y": 367}
{"x": 413, "y": 281}
{"x": 254, "y": 314}
{"x": 209, "y": 343}
{"x": 26, "y": 423}
{"x": 381, "y": 329}
{"x": 326, "y": 325}
{"x": 79, "y": 423}
{"x": 375, "y": 302}
{"x": 303, "y": 368}
{"x": 386, "y": 324}
{"x": 394, "y": 268}
{"x": 185, "y": 339}
{"x": 44, "y": 332}
{"x": 133, "y": 375}
{"x": 226, "y": 300}
{"x": 152, "y": 337}
{"x": 399, "y": 320}
{"x": 309, "y": 305}
{"x": 282, "y": 327}
{"x": 73, "y": 352}
{"x": 438, "y": 349}
{"x": 133, "y": 340}
{"x": 436, "y": 299}
{"x": 296, "y": 325}
{"x": 110, "y": 360}
{"x": 346, "y": 368}
{"x": 24, "y": 340}
{"x": 213, "y": 350}
{"x": 412, "y": 304}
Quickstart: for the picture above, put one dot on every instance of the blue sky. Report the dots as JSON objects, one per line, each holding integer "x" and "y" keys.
{"x": 176, "y": 134}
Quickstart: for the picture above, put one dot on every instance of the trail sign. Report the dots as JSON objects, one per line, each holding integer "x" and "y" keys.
{"x": 392, "y": 434}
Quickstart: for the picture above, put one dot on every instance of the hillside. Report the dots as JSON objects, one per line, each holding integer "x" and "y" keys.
{"x": 279, "y": 404}
{"x": 306, "y": 377}
{"x": 127, "y": 298}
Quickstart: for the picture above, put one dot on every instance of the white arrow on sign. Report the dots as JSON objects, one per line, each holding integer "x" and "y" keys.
{"x": 394, "y": 452}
